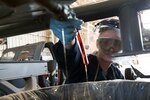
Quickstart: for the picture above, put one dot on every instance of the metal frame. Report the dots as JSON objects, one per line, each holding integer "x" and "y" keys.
{"x": 15, "y": 70}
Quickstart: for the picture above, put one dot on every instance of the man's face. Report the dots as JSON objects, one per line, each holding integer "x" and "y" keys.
{"x": 108, "y": 43}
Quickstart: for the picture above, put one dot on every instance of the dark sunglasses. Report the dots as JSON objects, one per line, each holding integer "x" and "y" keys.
{"x": 108, "y": 43}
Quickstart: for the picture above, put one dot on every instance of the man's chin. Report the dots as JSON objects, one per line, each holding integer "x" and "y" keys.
{"x": 108, "y": 58}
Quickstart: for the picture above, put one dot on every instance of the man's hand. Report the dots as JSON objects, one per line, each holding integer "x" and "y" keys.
{"x": 70, "y": 27}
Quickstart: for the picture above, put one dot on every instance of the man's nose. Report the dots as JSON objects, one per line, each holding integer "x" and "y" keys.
{"x": 112, "y": 49}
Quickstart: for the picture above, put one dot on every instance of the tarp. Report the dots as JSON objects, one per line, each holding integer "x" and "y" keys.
{"x": 102, "y": 90}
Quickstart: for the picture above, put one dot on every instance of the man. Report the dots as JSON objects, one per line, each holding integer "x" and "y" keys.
{"x": 100, "y": 66}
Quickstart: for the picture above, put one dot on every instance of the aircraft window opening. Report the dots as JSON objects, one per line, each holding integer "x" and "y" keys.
{"x": 145, "y": 27}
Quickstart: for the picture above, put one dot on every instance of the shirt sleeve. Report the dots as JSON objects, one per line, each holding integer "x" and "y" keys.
{"x": 73, "y": 64}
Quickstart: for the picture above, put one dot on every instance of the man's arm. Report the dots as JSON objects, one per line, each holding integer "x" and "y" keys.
{"x": 74, "y": 63}
{"x": 71, "y": 44}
